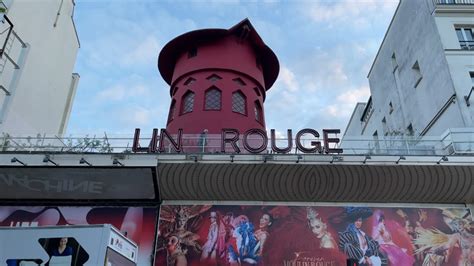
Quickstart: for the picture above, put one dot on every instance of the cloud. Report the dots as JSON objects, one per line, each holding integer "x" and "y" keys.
{"x": 355, "y": 13}
{"x": 143, "y": 52}
{"x": 120, "y": 92}
{"x": 345, "y": 102}
{"x": 288, "y": 78}
{"x": 114, "y": 93}
{"x": 138, "y": 116}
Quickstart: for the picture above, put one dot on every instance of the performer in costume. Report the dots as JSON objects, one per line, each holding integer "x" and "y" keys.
{"x": 262, "y": 232}
{"x": 440, "y": 246}
{"x": 395, "y": 254}
{"x": 355, "y": 243}
{"x": 319, "y": 228}
{"x": 209, "y": 248}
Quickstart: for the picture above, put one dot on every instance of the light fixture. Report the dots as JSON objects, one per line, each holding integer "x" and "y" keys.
{"x": 299, "y": 158}
{"x": 83, "y": 161}
{"x": 194, "y": 157}
{"x": 335, "y": 158}
{"x": 117, "y": 162}
{"x": 15, "y": 160}
{"x": 47, "y": 159}
{"x": 266, "y": 158}
{"x": 400, "y": 158}
{"x": 367, "y": 157}
{"x": 444, "y": 159}
{"x": 232, "y": 158}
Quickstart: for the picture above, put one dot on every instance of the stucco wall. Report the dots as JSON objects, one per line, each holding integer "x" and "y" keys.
{"x": 428, "y": 105}
{"x": 40, "y": 97}
{"x": 460, "y": 62}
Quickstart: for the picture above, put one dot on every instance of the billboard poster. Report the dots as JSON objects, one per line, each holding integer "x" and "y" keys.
{"x": 313, "y": 235}
{"x": 136, "y": 223}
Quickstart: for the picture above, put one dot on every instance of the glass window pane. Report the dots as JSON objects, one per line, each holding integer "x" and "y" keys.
{"x": 213, "y": 99}
{"x": 172, "y": 109}
{"x": 238, "y": 103}
{"x": 188, "y": 102}
{"x": 469, "y": 36}
{"x": 459, "y": 34}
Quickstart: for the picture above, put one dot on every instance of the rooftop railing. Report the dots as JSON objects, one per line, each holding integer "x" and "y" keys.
{"x": 459, "y": 143}
{"x": 454, "y": 2}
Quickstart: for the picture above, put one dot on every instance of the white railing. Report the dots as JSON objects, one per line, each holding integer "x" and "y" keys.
{"x": 454, "y": 2}
{"x": 458, "y": 142}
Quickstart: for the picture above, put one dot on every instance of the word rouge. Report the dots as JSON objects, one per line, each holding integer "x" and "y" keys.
{"x": 231, "y": 136}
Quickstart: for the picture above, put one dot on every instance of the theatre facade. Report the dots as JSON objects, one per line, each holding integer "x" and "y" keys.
{"x": 214, "y": 187}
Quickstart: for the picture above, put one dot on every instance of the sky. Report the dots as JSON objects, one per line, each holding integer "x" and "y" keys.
{"x": 325, "y": 49}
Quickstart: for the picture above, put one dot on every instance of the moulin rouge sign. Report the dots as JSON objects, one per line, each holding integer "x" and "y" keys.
{"x": 230, "y": 136}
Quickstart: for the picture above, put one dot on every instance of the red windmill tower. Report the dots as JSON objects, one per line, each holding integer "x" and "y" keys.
{"x": 218, "y": 79}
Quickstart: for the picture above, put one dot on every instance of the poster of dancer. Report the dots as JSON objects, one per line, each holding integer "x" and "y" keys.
{"x": 313, "y": 235}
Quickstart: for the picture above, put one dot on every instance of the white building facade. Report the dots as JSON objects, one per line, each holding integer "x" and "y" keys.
{"x": 422, "y": 78}
{"x": 39, "y": 48}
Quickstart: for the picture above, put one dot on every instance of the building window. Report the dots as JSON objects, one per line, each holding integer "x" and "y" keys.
{"x": 213, "y": 78}
{"x": 192, "y": 52}
{"x": 239, "y": 103}
{"x": 384, "y": 126}
{"x": 418, "y": 76}
{"x": 187, "y": 102}
{"x": 239, "y": 81}
{"x": 172, "y": 110}
{"x": 189, "y": 81}
{"x": 376, "y": 140}
{"x": 257, "y": 91}
{"x": 258, "y": 112}
{"x": 213, "y": 99}
{"x": 394, "y": 63}
{"x": 175, "y": 89}
{"x": 410, "y": 131}
{"x": 465, "y": 37}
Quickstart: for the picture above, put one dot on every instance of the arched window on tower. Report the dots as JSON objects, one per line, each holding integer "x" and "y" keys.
{"x": 258, "y": 112}
{"x": 187, "y": 102}
{"x": 257, "y": 91}
{"x": 172, "y": 110}
{"x": 239, "y": 103}
{"x": 213, "y": 99}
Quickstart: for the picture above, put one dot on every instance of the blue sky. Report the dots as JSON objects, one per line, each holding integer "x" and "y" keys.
{"x": 325, "y": 49}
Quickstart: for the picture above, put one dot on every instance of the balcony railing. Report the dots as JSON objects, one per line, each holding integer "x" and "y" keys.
{"x": 467, "y": 45}
{"x": 455, "y": 142}
{"x": 454, "y": 2}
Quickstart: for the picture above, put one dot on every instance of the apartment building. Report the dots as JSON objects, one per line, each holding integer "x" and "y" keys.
{"x": 39, "y": 46}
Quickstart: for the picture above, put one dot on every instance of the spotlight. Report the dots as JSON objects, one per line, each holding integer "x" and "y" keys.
{"x": 299, "y": 158}
{"x": 194, "y": 158}
{"x": 83, "y": 161}
{"x": 117, "y": 162}
{"x": 400, "y": 158}
{"x": 266, "y": 158}
{"x": 15, "y": 160}
{"x": 336, "y": 158}
{"x": 367, "y": 157}
{"x": 444, "y": 159}
{"x": 47, "y": 159}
